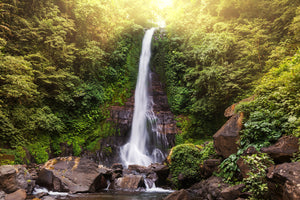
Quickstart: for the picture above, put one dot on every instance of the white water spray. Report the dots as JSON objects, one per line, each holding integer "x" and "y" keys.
{"x": 141, "y": 148}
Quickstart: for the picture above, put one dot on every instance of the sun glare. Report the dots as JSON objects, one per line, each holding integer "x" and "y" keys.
{"x": 165, "y": 3}
{"x": 162, "y": 4}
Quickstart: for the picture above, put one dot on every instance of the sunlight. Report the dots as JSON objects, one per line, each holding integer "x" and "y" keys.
{"x": 162, "y": 4}
{"x": 165, "y": 3}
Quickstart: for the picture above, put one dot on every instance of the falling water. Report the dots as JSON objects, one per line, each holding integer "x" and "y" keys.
{"x": 142, "y": 147}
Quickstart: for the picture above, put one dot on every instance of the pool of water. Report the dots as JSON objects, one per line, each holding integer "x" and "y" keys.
{"x": 117, "y": 196}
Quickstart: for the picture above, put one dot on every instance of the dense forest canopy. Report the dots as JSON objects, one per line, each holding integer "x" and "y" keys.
{"x": 64, "y": 62}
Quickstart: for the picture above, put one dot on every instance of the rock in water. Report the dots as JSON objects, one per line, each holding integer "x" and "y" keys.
{"x": 225, "y": 140}
{"x": 284, "y": 181}
{"x": 73, "y": 174}
{"x": 131, "y": 182}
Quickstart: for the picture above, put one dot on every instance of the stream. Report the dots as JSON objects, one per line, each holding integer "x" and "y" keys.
{"x": 119, "y": 195}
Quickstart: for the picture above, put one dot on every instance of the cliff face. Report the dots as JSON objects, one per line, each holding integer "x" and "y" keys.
{"x": 121, "y": 117}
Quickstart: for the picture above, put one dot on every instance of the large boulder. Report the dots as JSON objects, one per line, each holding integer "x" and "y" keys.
{"x": 162, "y": 172}
{"x": 130, "y": 182}
{"x": 283, "y": 150}
{"x": 212, "y": 188}
{"x": 226, "y": 139}
{"x": 233, "y": 192}
{"x": 73, "y": 174}
{"x": 284, "y": 181}
{"x": 8, "y": 182}
{"x": 180, "y": 195}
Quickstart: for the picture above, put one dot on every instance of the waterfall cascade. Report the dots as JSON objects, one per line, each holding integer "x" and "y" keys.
{"x": 145, "y": 143}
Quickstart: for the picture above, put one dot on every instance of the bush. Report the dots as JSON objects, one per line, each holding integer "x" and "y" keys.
{"x": 184, "y": 159}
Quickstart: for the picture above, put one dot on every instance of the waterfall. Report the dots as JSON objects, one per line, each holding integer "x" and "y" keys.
{"x": 143, "y": 145}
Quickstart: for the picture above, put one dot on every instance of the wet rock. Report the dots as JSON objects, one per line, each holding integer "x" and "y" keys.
{"x": 117, "y": 169}
{"x": 72, "y": 174}
{"x": 8, "y": 182}
{"x": 162, "y": 172}
{"x": 284, "y": 181}
{"x": 139, "y": 169}
{"x": 130, "y": 182}
{"x": 209, "y": 167}
{"x": 180, "y": 195}
{"x": 283, "y": 150}
{"x": 225, "y": 140}
{"x": 233, "y": 192}
{"x": 17, "y": 195}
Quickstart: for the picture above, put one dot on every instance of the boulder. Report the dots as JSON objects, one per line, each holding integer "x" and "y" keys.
{"x": 139, "y": 169}
{"x": 162, "y": 172}
{"x": 180, "y": 195}
{"x": 209, "y": 167}
{"x": 233, "y": 192}
{"x": 283, "y": 150}
{"x": 130, "y": 182}
{"x": 8, "y": 182}
{"x": 210, "y": 188}
{"x": 226, "y": 139}
{"x": 284, "y": 181}
{"x": 20, "y": 194}
{"x": 73, "y": 174}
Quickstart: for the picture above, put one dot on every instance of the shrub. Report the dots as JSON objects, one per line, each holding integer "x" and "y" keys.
{"x": 184, "y": 159}
{"x": 256, "y": 182}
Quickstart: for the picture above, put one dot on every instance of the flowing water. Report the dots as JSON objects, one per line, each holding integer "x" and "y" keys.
{"x": 145, "y": 143}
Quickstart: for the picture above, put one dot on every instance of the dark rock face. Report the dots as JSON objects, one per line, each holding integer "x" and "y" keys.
{"x": 283, "y": 150}
{"x": 284, "y": 181}
{"x": 73, "y": 174}
{"x": 225, "y": 140}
